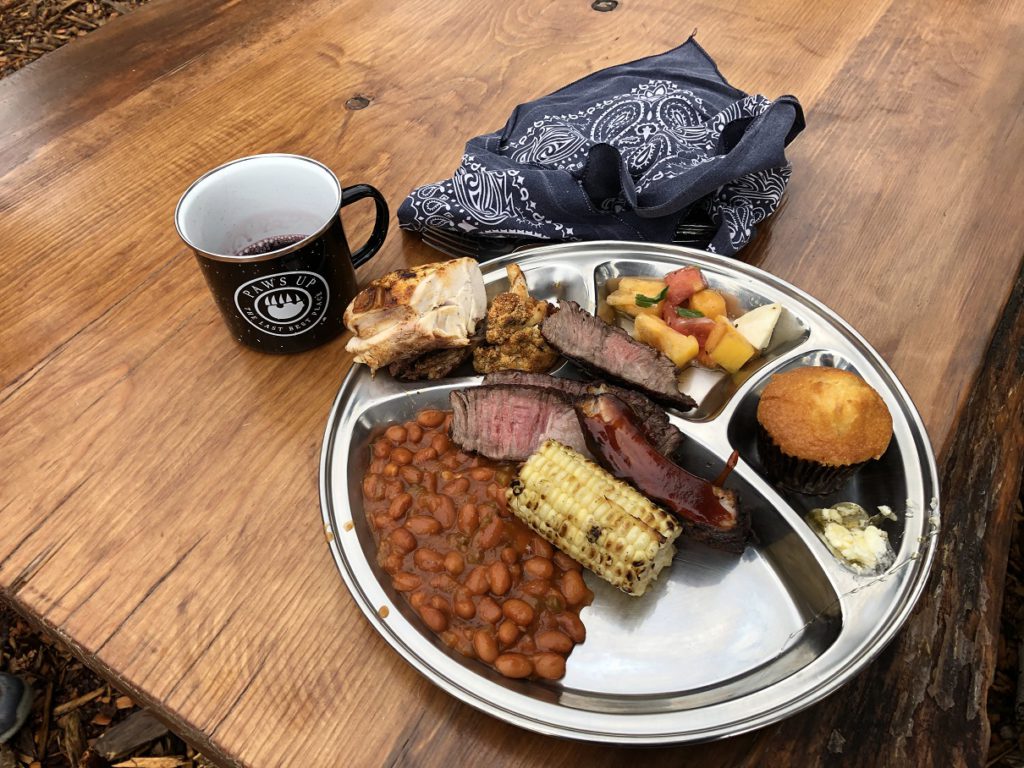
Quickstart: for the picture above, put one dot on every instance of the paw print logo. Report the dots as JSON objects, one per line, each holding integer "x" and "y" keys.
{"x": 285, "y": 305}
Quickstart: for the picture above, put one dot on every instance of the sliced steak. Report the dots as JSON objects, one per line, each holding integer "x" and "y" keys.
{"x": 652, "y": 418}
{"x": 571, "y": 387}
{"x": 508, "y": 422}
{"x": 611, "y": 352}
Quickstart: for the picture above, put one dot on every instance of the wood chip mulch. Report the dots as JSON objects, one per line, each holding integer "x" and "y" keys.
{"x": 78, "y": 720}
{"x": 32, "y": 28}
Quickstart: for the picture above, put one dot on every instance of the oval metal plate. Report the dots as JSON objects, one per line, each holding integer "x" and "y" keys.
{"x": 722, "y": 644}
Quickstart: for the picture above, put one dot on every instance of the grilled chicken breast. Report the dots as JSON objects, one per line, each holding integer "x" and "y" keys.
{"x": 411, "y": 311}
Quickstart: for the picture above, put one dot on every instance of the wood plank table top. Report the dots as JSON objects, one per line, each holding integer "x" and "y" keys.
{"x": 159, "y": 508}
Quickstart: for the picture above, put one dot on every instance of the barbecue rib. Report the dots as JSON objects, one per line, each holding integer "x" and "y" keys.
{"x": 708, "y": 513}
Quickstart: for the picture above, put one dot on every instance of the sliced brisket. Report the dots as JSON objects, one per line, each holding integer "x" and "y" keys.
{"x": 652, "y": 418}
{"x": 508, "y": 422}
{"x": 430, "y": 366}
{"x": 611, "y": 352}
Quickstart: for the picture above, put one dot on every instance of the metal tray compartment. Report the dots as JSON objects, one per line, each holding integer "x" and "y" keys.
{"x": 722, "y": 644}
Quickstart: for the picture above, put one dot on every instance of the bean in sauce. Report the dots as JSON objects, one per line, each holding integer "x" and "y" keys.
{"x": 490, "y": 587}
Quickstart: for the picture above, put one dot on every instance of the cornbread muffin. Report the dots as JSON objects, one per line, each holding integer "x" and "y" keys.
{"x": 818, "y": 425}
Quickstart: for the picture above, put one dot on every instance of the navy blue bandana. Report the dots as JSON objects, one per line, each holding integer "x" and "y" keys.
{"x": 627, "y": 153}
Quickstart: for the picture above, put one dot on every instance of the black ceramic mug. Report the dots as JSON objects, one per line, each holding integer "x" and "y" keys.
{"x": 267, "y": 234}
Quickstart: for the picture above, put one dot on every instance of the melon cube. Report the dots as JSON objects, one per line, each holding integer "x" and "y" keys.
{"x": 648, "y": 286}
{"x": 708, "y": 302}
{"x": 654, "y": 331}
{"x": 731, "y": 350}
{"x": 625, "y": 302}
{"x": 758, "y": 324}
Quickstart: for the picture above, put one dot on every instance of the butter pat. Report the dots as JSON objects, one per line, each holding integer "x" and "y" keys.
{"x": 846, "y": 530}
{"x": 866, "y": 548}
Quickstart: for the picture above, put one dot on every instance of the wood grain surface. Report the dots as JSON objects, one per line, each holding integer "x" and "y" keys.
{"x": 927, "y": 691}
{"x": 159, "y": 510}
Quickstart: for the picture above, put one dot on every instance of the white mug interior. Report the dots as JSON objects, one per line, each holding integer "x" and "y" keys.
{"x": 248, "y": 200}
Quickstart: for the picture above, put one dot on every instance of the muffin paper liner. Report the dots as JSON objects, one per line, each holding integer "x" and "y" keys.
{"x": 801, "y": 475}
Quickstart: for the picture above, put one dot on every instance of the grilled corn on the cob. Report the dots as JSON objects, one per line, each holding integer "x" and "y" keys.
{"x": 597, "y": 520}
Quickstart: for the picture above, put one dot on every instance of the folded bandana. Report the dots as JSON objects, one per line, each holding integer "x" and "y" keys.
{"x": 627, "y": 153}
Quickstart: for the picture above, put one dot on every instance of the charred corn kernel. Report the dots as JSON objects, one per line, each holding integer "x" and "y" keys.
{"x": 599, "y": 521}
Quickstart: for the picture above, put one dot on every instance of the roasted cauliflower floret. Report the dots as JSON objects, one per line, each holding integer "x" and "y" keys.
{"x": 507, "y": 314}
{"x": 525, "y": 350}
{"x": 513, "y": 331}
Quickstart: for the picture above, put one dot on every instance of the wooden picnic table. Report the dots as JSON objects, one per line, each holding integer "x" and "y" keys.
{"x": 159, "y": 509}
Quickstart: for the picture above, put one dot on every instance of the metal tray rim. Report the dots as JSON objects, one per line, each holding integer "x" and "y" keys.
{"x": 658, "y": 733}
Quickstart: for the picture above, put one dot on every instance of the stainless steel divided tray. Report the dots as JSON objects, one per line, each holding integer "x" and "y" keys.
{"x": 722, "y": 644}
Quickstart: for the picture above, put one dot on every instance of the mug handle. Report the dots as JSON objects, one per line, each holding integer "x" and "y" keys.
{"x": 380, "y": 224}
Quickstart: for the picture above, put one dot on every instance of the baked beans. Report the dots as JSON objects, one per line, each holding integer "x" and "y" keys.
{"x": 486, "y": 584}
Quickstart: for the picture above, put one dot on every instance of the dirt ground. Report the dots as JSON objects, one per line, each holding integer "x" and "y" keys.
{"x": 75, "y": 711}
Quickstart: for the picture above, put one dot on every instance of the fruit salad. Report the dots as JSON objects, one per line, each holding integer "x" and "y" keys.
{"x": 687, "y": 321}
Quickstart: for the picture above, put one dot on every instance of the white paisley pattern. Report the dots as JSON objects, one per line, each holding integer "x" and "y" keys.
{"x": 477, "y": 200}
{"x": 741, "y": 204}
{"x": 660, "y": 130}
